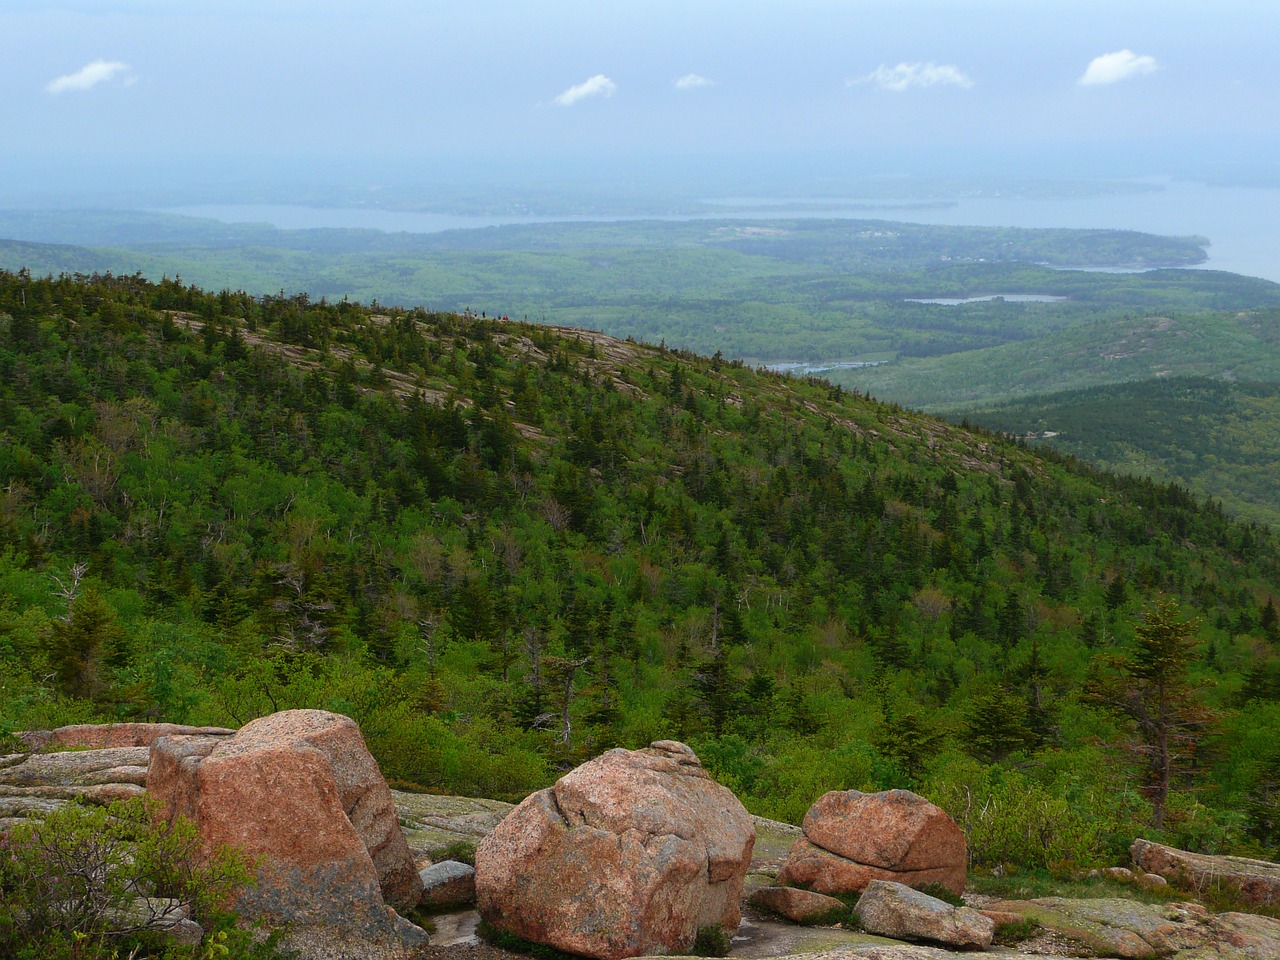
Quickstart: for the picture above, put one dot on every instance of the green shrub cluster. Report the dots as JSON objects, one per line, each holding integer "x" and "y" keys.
{"x": 95, "y": 883}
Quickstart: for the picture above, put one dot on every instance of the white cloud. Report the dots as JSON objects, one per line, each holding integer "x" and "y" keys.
{"x": 597, "y": 86}
{"x": 1114, "y": 67}
{"x": 907, "y": 75}
{"x": 691, "y": 81}
{"x": 90, "y": 75}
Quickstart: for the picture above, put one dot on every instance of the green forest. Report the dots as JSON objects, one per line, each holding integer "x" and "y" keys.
{"x": 1221, "y": 438}
{"x": 503, "y": 547}
{"x": 764, "y": 291}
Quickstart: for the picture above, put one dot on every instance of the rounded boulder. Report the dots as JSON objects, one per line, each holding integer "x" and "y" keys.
{"x": 629, "y": 854}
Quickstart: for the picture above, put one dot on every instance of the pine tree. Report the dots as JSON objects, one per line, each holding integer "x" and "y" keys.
{"x": 996, "y": 724}
{"x": 1151, "y": 687}
{"x": 80, "y": 645}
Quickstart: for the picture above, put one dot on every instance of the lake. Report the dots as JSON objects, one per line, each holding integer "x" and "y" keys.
{"x": 1243, "y": 223}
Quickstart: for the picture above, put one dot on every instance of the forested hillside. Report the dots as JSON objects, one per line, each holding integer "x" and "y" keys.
{"x": 502, "y": 547}
{"x": 1220, "y": 438}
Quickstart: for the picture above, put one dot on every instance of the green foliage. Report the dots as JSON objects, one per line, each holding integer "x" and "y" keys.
{"x": 503, "y": 548}
{"x": 711, "y": 941}
{"x": 1151, "y": 687}
{"x": 1008, "y": 818}
{"x": 1016, "y": 883}
{"x": 1013, "y": 932}
{"x": 943, "y": 893}
{"x": 1217, "y": 438}
{"x": 1132, "y": 344}
{"x": 505, "y": 940}
{"x": 88, "y": 882}
{"x": 462, "y": 852}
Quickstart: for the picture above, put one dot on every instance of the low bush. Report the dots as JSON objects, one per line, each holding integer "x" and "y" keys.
{"x": 711, "y": 941}
{"x": 94, "y": 883}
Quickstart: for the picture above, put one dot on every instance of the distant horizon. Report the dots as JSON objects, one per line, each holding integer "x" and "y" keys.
{"x": 34, "y": 181}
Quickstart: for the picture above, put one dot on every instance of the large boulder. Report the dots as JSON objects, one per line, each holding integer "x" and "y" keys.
{"x": 630, "y": 854}
{"x": 299, "y": 793}
{"x": 852, "y": 838}
{"x": 1256, "y": 881}
{"x": 893, "y": 910}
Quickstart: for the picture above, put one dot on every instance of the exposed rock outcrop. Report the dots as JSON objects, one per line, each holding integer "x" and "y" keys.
{"x": 1114, "y": 927}
{"x": 100, "y": 736}
{"x": 299, "y": 792}
{"x": 36, "y": 784}
{"x": 629, "y": 854}
{"x": 851, "y": 838}
{"x": 894, "y": 910}
{"x": 1257, "y": 881}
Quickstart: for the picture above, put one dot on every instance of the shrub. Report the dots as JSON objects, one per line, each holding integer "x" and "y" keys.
{"x": 711, "y": 941}
{"x": 89, "y": 882}
{"x": 1008, "y": 818}
{"x": 1014, "y": 932}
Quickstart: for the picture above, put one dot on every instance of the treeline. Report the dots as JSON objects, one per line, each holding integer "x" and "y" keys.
{"x": 503, "y": 547}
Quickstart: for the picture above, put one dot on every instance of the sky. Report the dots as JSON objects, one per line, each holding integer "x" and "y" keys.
{"x": 153, "y": 88}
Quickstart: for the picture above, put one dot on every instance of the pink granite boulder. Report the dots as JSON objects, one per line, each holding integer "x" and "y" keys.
{"x": 299, "y": 793}
{"x": 630, "y": 854}
{"x": 851, "y": 838}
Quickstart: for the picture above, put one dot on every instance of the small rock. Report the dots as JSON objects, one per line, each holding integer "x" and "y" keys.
{"x": 448, "y": 883}
{"x": 895, "y": 910}
{"x": 1152, "y": 881}
{"x": 1120, "y": 873}
{"x": 798, "y": 906}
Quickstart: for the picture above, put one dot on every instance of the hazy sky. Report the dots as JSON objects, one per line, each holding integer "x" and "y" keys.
{"x": 148, "y": 82}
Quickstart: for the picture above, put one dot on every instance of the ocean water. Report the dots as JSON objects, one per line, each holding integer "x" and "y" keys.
{"x": 1241, "y": 223}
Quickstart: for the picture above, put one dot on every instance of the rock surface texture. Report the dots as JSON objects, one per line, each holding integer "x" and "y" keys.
{"x": 1125, "y": 928}
{"x": 448, "y": 884}
{"x": 629, "y": 854}
{"x": 99, "y": 736}
{"x": 300, "y": 792}
{"x": 36, "y": 784}
{"x": 1257, "y": 881}
{"x": 852, "y": 838}
{"x": 798, "y": 906}
{"x": 894, "y": 910}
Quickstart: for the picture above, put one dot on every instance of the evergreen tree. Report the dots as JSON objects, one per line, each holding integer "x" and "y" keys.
{"x": 81, "y": 644}
{"x": 996, "y": 724}
{"x": 1150, "y": 686}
